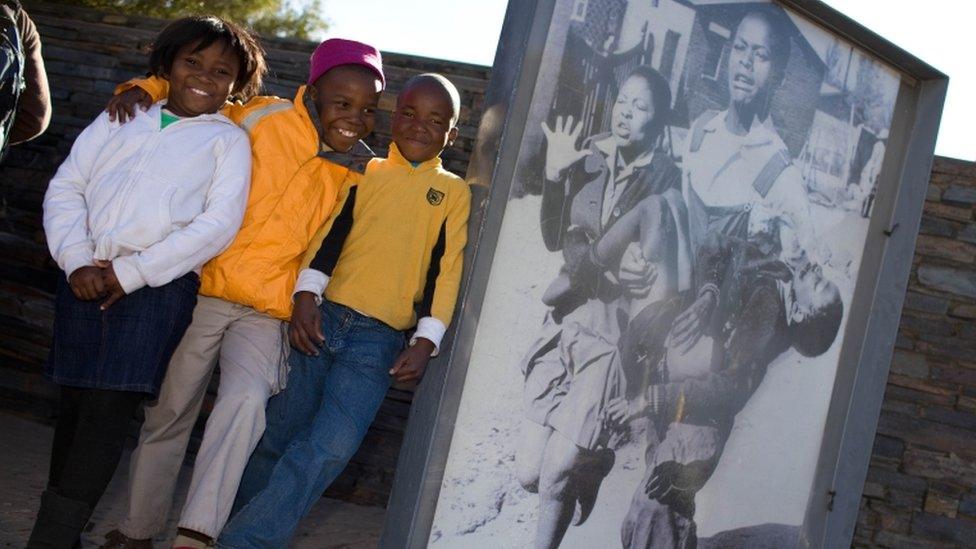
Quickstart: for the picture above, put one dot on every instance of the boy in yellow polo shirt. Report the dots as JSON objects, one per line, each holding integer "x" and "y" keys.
{"x": 396, "y": 242}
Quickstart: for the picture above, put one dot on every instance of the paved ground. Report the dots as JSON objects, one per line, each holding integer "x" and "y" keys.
{"x": 24, "y": 453}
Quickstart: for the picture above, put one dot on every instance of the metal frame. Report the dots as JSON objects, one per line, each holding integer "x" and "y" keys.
{"x": 871, "y": 329}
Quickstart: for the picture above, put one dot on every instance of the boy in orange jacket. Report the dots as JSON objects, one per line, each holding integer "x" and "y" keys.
{"x": 303, "y": 152}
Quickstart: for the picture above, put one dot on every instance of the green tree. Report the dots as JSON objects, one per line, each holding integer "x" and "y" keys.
{"x": 267, "y": 17}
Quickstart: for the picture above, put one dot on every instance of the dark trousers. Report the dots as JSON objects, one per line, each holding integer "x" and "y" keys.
{"x": 88, "y": 440}
{"x": 88, "y": 443}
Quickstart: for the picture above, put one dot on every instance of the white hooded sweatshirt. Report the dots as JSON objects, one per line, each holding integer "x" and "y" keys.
{"x": 158, "y": 203}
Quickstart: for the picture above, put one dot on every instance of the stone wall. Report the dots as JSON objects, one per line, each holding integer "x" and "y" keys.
{"x": 87, "y": 53}
{"x": 919, "y": 489}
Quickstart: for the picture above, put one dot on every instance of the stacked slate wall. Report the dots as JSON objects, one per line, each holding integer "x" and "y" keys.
{"x": 921, "y": 487}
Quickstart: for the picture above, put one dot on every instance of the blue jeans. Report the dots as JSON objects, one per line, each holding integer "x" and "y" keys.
{"x": 313, "y": 427}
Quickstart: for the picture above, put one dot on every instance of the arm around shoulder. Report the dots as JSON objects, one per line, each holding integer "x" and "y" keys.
{"x": 155, "y": 86}
{"x": 158, "y": 89}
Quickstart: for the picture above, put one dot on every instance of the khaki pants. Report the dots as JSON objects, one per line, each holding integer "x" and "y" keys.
{"x": 251, "y": 352}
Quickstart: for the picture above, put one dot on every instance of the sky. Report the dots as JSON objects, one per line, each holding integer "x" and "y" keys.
{"x": 939, "y": 32}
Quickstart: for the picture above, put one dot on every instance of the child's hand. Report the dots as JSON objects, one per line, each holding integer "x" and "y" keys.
{"x": 621, "y": 411}
{"x": 690, "y": 325}
{"x": 86, "y": 283}
{"x": 411, "y": 362}
{"x": 305, "y": 329}
{"x": 113, "y": 289}
{"x": 636, "y": 274}
{"x": 676, "y": 483}
{"x": 561, "y": 151}
{"x": 123, "y": 105}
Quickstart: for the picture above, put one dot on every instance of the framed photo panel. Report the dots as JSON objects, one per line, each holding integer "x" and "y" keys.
{"x": 694, "y": 224}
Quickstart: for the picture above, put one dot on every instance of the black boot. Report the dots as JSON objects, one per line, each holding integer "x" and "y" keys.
{"x": 59, "y": 523}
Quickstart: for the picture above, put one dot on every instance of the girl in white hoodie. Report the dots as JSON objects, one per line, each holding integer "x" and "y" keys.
{"x": 131, "y": 216}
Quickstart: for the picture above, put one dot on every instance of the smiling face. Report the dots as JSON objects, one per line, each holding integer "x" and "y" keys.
{"x": 750, "y": 61}
{"x": 424, "y": 121}
{"x": 200, "y": 81}
{"x": 633, "y": 112}
{"x": 346, "y": 98}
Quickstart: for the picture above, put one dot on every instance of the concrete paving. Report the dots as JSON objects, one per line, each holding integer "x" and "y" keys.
{"x": 25, "y": 447}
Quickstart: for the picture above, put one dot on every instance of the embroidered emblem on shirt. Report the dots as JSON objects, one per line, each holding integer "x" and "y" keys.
{"x": 434, "y": 196}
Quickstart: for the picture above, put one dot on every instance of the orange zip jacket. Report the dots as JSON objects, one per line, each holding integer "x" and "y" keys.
{"x": 293, "y": 192}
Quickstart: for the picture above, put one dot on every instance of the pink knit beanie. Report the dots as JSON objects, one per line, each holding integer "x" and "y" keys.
{"x": 337, "y": 51}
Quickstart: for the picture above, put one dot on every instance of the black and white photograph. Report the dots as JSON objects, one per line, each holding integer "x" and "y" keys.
{"x": 667, "y": 299}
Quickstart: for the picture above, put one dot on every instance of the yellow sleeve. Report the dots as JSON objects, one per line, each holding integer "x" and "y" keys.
{"x": 342, "y": 202}
{"x": 455, "y": 238}
{"x": 158, "y": 89}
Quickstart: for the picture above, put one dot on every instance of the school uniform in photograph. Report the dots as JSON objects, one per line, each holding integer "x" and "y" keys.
{"x": 726, "y": 175}
{"x": 572, "y": 369}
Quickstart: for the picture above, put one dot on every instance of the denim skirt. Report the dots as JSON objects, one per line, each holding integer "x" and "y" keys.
{"x": 125, "y": 348}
